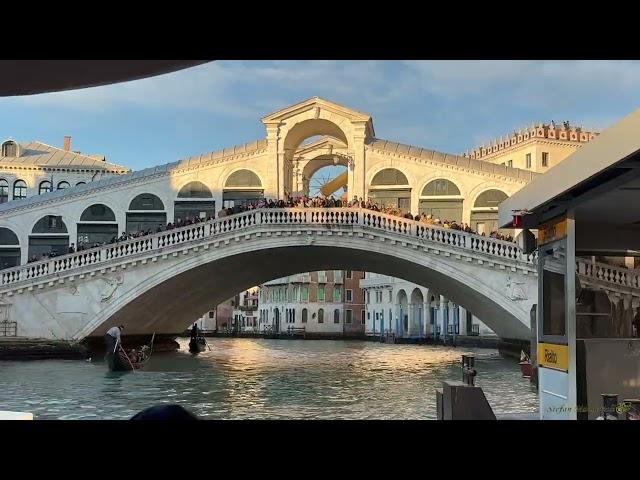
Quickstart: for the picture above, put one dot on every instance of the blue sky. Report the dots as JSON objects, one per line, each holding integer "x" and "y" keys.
{"x": 450, "y": 106}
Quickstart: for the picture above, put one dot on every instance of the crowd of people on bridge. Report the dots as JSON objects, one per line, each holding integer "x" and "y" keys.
{"x": 291, "y": 202}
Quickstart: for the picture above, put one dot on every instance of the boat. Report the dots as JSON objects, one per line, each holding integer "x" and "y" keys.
{"x": 121, "y": 361}
{"x": 526, "y": 367}
{"x": 197, "y": 345}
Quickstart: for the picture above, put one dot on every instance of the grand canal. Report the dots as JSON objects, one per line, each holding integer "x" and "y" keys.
{"x": 265, "y": 379}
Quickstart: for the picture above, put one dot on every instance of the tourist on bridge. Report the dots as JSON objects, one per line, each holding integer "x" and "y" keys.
{"x": 112, "y": 338}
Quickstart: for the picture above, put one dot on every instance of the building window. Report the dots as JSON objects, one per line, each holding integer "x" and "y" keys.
{"x": 510, "y": 163}
{"x": 45, "y": 187}
{"x": 304, "y": 315}
{"x": 211, "y": 314}
{"x": 4, "y": 191}
{"x": 368, "y": 296}
{"x": 9, "y": 149}
{"x": 62, "y": 185}
{"x": 336, "y": 316}
{"x": 322, "y": 277}
{"x": 362, "y": 320}
{"x": 348, "y": 316}
{"x": 528, "y": 160}
{"x": 337, "y": 276}
{"x": 349, "y": 274}
{"x": 305, "y": 293}
{"x": 350, "y": 295}
{"x": 390, "y": 296}
{"x": 545, "y": 159}
{"x": 81, "y": 183}
{"x": 19, "y": 189}
{"x": 321, "y": 315}
{"x": 321, "y": 294}
{"x": 337, "y": 294}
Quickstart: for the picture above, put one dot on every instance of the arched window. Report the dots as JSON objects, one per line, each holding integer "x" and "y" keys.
{"x": 243, "y": 179}
{"x": 9, "y": 249}
{"x": 390, "y": 188}
{"x": 9, "y": 149}
{"x": 7, "y": 237}
{"x": 98, "y": 213}
{"x": 336, "y": 316}
{"x": 142, "y": 216}
{"x": 440, "y": 187}
{"x": 50, "y": 224}
{"x": 441, "y": 208}
{"x": 194, "y": 201}
{"x": 490, "y": 199}
{"x": 304, "y": 315}
{"x": 45, "y": 187}
{"x": 195, "y": 190}
{"x": 321, "y": 315}
{"x": 62, "y": 185}
{"x": 4, "y": 191}
{"x": 81, "y": 183}
{"x": 241, "y": 188}
{"x": 146, "y": 201}
{"x": 19, "y": 189}
{"x": 484, "y": 214}
{"x": 389, "y": 176}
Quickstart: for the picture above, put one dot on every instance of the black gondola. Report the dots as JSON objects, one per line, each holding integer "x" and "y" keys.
{"x": 119, "y": 361}
{"x": 197, "y": 345}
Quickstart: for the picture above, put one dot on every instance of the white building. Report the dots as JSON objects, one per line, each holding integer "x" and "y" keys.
{"x": 245, "y": 312}
{"x": 405, "y": 309}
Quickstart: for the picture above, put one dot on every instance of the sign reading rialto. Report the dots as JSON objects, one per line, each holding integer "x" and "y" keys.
{"x": 552, "y": 231}
{"x": 553, "y": 356}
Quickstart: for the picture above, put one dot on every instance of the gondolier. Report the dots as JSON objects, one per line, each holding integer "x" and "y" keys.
{"x": 112, "y": 338}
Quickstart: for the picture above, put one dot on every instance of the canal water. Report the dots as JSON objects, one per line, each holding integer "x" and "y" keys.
{"x": 265, "y": 379}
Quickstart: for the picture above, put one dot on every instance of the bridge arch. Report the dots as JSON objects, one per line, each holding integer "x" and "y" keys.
{"x": 242, "y": 186}
{"x": 484, "y": 210}
{"x": 9, "y": 248}
{"x": 194, "y": 199}
{"x": 146, "y": 212}
{"x": 97, "y": 225}
{"x": 49, "y": 236}
{"x": 389, "y": 187}
{"x": 442, "y": 199}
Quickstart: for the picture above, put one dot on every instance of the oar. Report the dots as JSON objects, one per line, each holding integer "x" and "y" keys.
{"x": 206, "y": 343}
{"x": 125, "y": 354}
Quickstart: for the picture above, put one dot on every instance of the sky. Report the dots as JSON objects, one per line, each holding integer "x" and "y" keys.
{"x": 450, "y": 106}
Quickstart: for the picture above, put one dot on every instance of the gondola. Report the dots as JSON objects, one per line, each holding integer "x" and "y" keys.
{"x": 119, "y": 361}
{"x": 197, "y": 345}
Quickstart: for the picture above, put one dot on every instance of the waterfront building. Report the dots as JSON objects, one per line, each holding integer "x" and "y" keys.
{"x": 245, "y": 311}
{"x": 390, "y": 302}
{"x": 324, "y": 302}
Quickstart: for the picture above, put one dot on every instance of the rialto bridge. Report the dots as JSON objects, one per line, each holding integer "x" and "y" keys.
{"x": 163, "y": 281}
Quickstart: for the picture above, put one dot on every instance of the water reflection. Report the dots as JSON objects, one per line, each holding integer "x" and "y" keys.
{"x": 259, "y": 378}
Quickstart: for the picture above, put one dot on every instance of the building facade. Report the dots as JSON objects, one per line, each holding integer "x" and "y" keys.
{"x": 245, "y": 311}
{"x": 404, "y": 309}
{"x": 324, "y": 302}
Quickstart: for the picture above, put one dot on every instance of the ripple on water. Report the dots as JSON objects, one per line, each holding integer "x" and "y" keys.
{"x": 260, "y": 379}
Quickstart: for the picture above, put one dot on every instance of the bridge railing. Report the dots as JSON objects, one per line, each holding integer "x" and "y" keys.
{"x": 297, "y": 216}
{"x": 621, "y": 276}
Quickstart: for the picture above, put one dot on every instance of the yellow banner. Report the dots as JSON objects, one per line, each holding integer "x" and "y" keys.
{"x": 553, "y": 356}
{"x": 554, "y": 230}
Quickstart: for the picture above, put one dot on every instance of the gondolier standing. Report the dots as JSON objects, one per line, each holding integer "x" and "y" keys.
{"x": 112, "y": 338}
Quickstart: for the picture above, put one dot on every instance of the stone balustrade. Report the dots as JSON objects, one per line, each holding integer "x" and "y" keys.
{"x": 472, "y": 245}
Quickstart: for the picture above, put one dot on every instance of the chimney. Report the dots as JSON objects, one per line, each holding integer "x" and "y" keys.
{"x": 67, "y": 143}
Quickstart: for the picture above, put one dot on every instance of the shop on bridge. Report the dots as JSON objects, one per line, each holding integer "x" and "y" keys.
{"x": 390, "y": 188}
{"x": 146, "y": 212}
{"x": 49, "y": 236}
{"x": 442, "y": 199}
{"x": 9, "y": 249}
{"x": 243, "y": 187}
{"x": 97, "y": 225}
{"x": 194, "y": 200}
